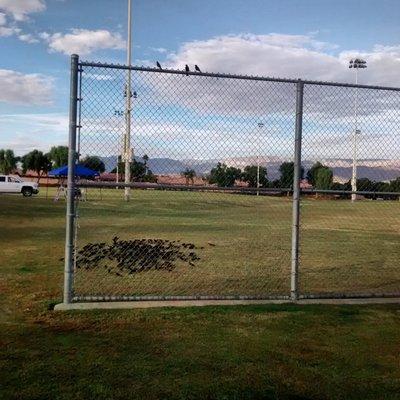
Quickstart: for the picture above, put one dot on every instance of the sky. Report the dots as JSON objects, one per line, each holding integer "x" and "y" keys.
{"x": 287, "y": 38}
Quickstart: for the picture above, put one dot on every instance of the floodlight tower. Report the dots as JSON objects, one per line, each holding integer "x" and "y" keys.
{"x": 357, "y": 64}
{"x": 260, "y": 127}
{"x": 128, "y": 95}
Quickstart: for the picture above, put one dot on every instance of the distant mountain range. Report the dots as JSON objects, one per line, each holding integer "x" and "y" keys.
{"x": 374, "y": 169}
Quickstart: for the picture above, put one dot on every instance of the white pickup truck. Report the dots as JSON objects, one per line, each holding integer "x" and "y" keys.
{"x": 13, "y": 184}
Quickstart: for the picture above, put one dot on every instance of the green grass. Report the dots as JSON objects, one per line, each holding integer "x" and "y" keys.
{"x": 270, "y": 352}
{"x": 345, "y": 247}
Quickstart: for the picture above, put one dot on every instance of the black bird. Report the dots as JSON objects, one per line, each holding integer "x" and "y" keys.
{"x": 159, "y": 65}
{"x": 196, "y": 67}
{"x": 187, "y": 69}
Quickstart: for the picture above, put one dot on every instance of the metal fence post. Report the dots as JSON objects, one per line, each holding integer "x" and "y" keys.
{"x": 294, "y": 290}
{"x": 70, "y": 215}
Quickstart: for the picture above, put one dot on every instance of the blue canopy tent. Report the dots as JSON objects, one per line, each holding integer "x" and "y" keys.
{"x": 80, "y": 171}
{"x": 62, "y": 172}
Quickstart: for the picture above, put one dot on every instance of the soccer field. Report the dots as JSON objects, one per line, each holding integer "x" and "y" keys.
{"x": 233, "y": 352}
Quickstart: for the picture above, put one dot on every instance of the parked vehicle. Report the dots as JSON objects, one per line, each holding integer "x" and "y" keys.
{"x": 13, "y": 184}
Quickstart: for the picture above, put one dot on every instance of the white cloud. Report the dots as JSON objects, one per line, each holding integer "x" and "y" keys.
{"x": 189, "y": 113}
{"x": 7, "y": 31}
{"x": 100, "y": 77}
{"x": 20, "y": 9}
{"x": 39, "y": 123}
{"x": 265, "y": 55}
{"x": 25, "y": 89}
{"x": 179, "y": 117}
{"x": 15, "y": 11}
{"x": 28, "y": 38}
{"x": 158, "y": 49}
{"x": 30, "y": 131}
{"x": 44, "y": 35}
{"x": 294, "y": 56}
{"x": 83, "y": 41}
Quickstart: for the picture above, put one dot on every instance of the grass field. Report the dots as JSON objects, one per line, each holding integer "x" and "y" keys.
{"x": 245, "y": 243}
{"x": 283, "y": 352}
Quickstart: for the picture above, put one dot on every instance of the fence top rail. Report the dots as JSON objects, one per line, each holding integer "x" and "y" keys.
{"x": 234, "y": 76}
{"x": 147, "y": 185}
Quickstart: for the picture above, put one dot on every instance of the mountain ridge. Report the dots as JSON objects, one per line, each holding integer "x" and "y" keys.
{"x": 373, "y": 169}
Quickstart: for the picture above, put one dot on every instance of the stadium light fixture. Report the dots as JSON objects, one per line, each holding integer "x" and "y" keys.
{"x": 356, "y": 63}
{"x": 127, "y": 138}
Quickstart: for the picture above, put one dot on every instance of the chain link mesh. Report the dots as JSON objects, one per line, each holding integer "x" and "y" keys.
{"x": 196, "y": 226}
{"x": 351, "y": 247}
{"x": 210, "y": 212}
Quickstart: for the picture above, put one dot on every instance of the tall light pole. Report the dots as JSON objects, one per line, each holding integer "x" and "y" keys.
{"x": 127, "y": 138}
{"x": 356, "y": 63}
{"x": 260, "y": 126}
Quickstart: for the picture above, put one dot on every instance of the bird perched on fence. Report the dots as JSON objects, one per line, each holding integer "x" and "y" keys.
{"x": 187, "y": 69}
{"x": 159, "y": 65}
{"x": 196, "y": 67}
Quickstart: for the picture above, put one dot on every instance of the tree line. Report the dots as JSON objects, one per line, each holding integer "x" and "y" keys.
{"x": 225, "y": 176}
{"x": 41, "y": 163}
{"x": 140, "y": 171}
{"x": 35, "y": 160}
{"x": 319, "y": 175}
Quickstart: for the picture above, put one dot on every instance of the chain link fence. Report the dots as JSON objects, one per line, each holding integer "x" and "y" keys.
{"x": 238, "y": 187}
{"x": 349, "y": 242}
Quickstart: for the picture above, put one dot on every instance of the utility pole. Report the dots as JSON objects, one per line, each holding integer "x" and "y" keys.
{"x": 127, "y": 140}
{"x": 356, "y": 64}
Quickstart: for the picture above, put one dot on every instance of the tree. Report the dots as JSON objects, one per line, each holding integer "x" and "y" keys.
{"x": 323, "y": 178}
{"x": 276, "y": 183}
{"x": 311, "y": 173}
{"x": 139, "y": 171}
{"x": 36, "y": 161}
{"x": 224, "y": 176}
{"x": 189, "y": 175}
{"x": 8, "y": 161}
{"x": 365, "y": 184}
{"x": 145, "y": 159}
{"x": 94, "y": 163}
{"x": 249, "y": 175}
{"x": 347, "y": 186}
{"x": 59, "y": 156}
{"x": 394, "y": 185}
{"x": 287, "y": 173}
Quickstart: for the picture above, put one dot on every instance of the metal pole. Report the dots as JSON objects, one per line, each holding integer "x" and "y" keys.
{"x": 70, "y": 215}
{"x": 127, "y": 141}
{"x": 78, "y": 144}
{"x": 259, "y": 131}
{"x": 354, "y": 170}
{"x": 258, "y": 174}
{"x": 294, "y": 290}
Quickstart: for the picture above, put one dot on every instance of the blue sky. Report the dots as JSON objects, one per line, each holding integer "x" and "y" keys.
{"x": 304, "y": 38}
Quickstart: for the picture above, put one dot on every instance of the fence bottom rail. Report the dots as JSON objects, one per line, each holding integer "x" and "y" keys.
{"x": 105, "y": 298}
